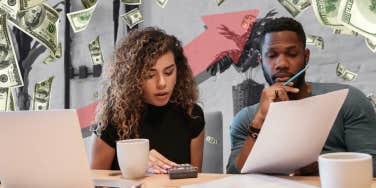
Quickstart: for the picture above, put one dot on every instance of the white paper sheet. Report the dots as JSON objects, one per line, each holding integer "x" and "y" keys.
{"x": 251, "y": 181}
{"x": 294, "y": 133}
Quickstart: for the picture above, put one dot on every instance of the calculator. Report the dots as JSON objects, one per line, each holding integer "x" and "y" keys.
{"x": 182, "y": 171}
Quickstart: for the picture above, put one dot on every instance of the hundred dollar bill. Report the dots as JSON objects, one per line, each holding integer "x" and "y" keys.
{"x": 131, "y": 2}
{"x": 371, "y": 44}
{"x": 344, "y": 31}
{"x": 79, "y": 20}
{"x": 219, "y": 2}
{"x": 42, "y": 95}
{"x": 53, "y": 56}
{"x": 11, "y": 7}
{"x": 39, "y": 22}
{"x": 211, "y": 140}
{"x": 88, "y": 3}
{"x": 4, "y": 98}
{"x": 326, "y": 12}
{"x": 161, "y": 3}
{"x": 11, "y": 106}
{"x": 10, "y": 75}
{"x": 315, "y": 40}
{"x": 96, "y": 52}
{"x": 132, "y": 17}
{"x": 359, "y": 16}
{"x": 294, "y": 7}
{"x": 344, "y": 73}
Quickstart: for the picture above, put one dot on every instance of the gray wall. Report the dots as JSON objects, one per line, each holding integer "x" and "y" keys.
{"x": 182, "y": 18}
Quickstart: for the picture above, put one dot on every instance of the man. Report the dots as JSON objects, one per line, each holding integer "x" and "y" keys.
{"x": 283, "y": 54}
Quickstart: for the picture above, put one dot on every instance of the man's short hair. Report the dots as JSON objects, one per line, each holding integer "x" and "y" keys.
{"x": 283, "y": 24}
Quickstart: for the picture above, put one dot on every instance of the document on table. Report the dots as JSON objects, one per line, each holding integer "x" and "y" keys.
{"x": 251, "y": 181}
{"x": 294, "y": 133}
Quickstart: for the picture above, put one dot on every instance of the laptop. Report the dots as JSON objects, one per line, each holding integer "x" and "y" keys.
{"x": 42, "y": 149}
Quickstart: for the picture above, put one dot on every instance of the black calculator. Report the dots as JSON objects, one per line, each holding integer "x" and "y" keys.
{"x": 182, "y": 171}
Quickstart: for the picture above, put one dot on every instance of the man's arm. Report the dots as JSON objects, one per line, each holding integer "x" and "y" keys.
{"x": 360, "y": 125}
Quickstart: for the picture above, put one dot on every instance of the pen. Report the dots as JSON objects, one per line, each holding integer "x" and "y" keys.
{"x": 295, "y": 76}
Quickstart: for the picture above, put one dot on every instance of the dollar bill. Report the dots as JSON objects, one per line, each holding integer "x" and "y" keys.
{"x": 219, "y": 2}
{"x": 10, "y": 105}
{"x": 42, "y": 95}
{"x": 326, "y": 12}
{"x": 26, "y": 4}
{"x": 4, "y": 98}
{"x": 10, "y": 75}
{"x": 88, "y": 3}
{"x": 344, "y": 31}
{"x": 79, "y": 20}
{"x": 53, "y": 56}
{"x": 371, "y": 44}
{"x": 39, "y": 22}
{"x": 131, "y": 2}
{"x": 294, "y": 7}
{"x": 359, "y": 16}
{"x": 11, "y": 7}
{"x": 315, "y": 40}
{"x": 344, "y": 73}
{"x": 161, "y": 3}
{"x": 132, "y": 17}
{"x": 96, "y": 52}
{"x": 211, "y": 140}
{"x": 372, "y": 98}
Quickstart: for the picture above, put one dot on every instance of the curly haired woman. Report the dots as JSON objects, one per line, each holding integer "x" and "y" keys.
{"x": 150, "y": 93}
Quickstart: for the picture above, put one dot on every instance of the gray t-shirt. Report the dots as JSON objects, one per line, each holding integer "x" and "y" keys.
{"x": 354, "y": 130}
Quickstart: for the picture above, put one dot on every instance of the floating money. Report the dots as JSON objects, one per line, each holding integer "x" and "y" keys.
{"x": 344, "y": 73}
{"x": 39, "y": 22}
{"x": 10, "y": 75}
{"x": 79, "y": 20}
{"x": 53, "y": 56}
{"x": 219, "y": 2}
{"x": 359, "y": 16}
{"x": 372, "y": 99}
{"x": 326, "y": 12}
{"x": 344, "y": 32}
{"x": 315, "y": 40}
{"x": 161, "y": 3}
{"x": 11, "y": 7}
{"x": 294, "y": 7}
{"x": 96, "y": 52}
{"x": 4, "y": 98}
{"x": 10, "y": 105}
{"x": 42, "y": 95}
{"x": 131, "y": 2}
{"x": 132, "y": 17}
{"x": 88, "y": 3}
{"x": 211, "y": 140}
{"x": 371, "y": 45}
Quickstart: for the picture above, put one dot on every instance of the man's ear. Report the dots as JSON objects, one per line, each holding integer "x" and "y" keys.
{"x": 259, "y": 59}
{"x": 307, "y": 52}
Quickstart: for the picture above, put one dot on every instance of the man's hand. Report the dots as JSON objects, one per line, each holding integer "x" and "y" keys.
{"x": 276, "y": 92}
{"x": 309, "y": 170}
{"x": 158, "y": 164}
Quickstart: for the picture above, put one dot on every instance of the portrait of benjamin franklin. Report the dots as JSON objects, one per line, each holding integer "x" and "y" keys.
{"x": 4, "y": 60}
{"x": 32, "y": 18}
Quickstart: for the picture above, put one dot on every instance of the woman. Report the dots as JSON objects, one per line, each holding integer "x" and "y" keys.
{"x": 150, "y": 93}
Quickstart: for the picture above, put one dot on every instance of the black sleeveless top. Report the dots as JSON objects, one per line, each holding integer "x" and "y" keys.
{"x": 169, "y": 130}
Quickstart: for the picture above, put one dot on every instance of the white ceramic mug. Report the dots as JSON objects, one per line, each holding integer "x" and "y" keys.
{"x": 133, "y": 157}
{"x": 345, "y": 170}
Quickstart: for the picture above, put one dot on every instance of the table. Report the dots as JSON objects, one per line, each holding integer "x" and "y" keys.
{"x": 159, "y": 181}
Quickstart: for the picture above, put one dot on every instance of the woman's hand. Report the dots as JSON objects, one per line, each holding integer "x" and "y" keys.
{"x": 158, "y": 164}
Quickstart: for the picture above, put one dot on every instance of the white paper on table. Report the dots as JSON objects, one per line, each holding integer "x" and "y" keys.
{"x": 294, "y": 133}
{"x": 251, "y": 181}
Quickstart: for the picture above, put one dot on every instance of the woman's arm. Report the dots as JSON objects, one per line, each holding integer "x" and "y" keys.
{"x": 197, "y": 147}
{"x": 101, "y": 154}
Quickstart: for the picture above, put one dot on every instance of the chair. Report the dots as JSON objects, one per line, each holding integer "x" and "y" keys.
{"x": 213, "y": 145}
